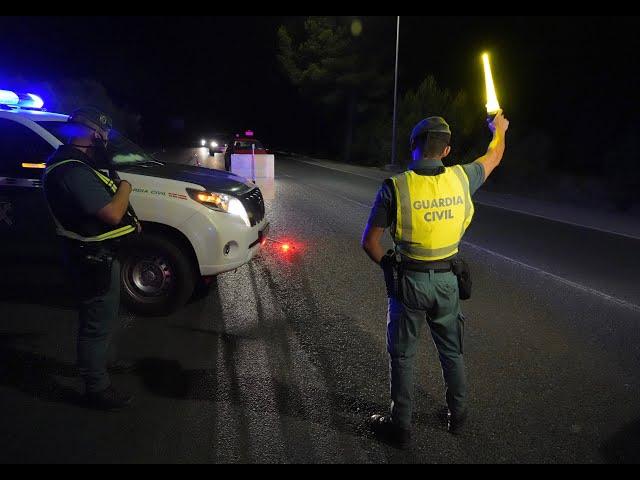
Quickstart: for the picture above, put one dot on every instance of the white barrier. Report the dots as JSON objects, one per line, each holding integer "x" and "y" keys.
{"x": 258, "y": 168}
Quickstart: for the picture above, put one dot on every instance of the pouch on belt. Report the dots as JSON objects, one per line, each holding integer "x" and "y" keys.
{"x": 462, "y": 271}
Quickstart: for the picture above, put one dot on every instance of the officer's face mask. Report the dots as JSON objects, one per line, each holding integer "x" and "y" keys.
{"x": 99, "y": 152}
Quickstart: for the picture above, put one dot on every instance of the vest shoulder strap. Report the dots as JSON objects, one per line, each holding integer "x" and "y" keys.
{"x": 56, "y": 164}
{"x": 111, "y": 187}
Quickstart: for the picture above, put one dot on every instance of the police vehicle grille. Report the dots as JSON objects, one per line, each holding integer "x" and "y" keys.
{"x": 254, "y": 204}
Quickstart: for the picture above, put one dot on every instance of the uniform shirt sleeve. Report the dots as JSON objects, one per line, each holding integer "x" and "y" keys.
{"x": 475, "y": 172}
{"x": 87, "y": 190}
{"x": 383, "y": 212}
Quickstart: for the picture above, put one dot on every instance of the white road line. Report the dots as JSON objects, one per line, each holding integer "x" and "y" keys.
{"x": 564, "y": 222}
{"x": 346, "y": 199}
{"x": 569, "y": 283}
{"x": 564, "y": 281}
{"x": 491, "y": 205}
{"x": 335, "y": 169}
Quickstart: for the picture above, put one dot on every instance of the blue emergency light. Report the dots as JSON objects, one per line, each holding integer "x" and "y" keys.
{"x": 31, "y": 101}
{"x": 21, "y": 100}
{"x": 8, "y": 98}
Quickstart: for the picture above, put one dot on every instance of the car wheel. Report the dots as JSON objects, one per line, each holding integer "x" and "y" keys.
{"x": 157, "y": 277}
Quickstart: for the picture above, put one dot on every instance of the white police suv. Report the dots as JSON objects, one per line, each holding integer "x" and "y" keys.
{"x": 197, "y": 223}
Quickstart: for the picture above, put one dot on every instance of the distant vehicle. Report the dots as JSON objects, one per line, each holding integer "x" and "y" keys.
{"x": 197, "y": 223}
{"x": 215, "y": 145}
{"x": 243, "y": 145}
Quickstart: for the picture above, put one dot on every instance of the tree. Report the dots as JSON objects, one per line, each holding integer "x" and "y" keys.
{"x": 429, "y": 99}
{"x": 335, "y": 67}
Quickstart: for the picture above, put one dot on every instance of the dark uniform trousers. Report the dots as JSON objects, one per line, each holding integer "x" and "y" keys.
{"x": 98, "y": 295}
{"x": 425, "y": 299}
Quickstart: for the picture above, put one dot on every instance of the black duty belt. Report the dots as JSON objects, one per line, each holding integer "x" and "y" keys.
{"x": 444, "y": 266}
{"x": 111, "y": 247}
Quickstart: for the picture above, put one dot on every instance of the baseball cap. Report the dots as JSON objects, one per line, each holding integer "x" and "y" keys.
{"x": 430, "y": 125}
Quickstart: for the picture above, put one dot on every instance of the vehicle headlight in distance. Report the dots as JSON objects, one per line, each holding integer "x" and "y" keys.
{"x": 203, "y": 143}
{"x": 214, "y": 144}
{"x": 221, "y": 203}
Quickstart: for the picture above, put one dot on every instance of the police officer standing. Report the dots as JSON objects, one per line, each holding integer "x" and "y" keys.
{"x": 428, "y": 210}
{"x": 92, "y": 214}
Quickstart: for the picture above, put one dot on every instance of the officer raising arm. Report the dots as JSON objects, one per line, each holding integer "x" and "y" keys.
{"x": 372, "y": 242}
{"x": 92, "y": 215}
{"x": 499, "y": 126}
{"x": 428, "y": 210}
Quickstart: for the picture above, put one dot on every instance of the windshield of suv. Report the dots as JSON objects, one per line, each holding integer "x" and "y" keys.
{"x": 122, "y": 150}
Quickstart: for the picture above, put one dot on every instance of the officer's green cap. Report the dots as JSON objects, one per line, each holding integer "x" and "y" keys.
{"x": 93, "y": 116}
{"x": 430, "y": 125}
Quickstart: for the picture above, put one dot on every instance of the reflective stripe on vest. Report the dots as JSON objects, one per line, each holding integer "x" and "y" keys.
{"x": 63, "y": 232}
{"x": 433, "y": 213}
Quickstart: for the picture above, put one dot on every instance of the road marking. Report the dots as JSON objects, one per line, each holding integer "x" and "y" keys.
{"x": 564, "y": 222}
{"x": 335, "y": 169}
{"x": 491, "y": 205}
{"x": 346, "y": 199}
{"x": 578, "y": 286}
{"x": 564, "y": 281}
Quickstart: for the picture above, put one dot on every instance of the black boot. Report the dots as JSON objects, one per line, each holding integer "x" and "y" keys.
{"x": 457, "y": 423}
{"x": 384, "y": 429}
{"x": 109, "y": 400}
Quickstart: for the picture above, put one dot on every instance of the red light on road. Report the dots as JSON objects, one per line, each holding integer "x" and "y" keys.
{"x": 286, "y": 249}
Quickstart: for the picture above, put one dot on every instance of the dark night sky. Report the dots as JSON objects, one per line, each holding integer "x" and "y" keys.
{"x": 220, "y": 73}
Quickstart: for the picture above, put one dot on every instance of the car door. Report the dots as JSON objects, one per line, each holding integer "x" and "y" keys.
{"x": 27, "y": 231}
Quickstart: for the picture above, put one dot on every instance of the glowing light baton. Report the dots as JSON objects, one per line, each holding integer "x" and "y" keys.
{"x": 493, "y": 105}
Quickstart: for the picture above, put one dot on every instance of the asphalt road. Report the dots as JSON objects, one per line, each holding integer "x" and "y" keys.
{"x": 285, "y": 359}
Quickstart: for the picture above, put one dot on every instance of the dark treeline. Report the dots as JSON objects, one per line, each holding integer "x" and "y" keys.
{"x": 566, "y": 83}
{"x": 324, "y": 86}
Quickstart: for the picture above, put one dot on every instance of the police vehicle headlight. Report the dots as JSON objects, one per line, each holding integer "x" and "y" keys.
{"x": 221, "y": 203}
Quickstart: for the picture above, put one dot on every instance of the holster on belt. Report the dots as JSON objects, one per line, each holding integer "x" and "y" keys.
{"x": 94, "y": 264}
{"x": 391, "y": 266}
{"x": 462, "y": 270}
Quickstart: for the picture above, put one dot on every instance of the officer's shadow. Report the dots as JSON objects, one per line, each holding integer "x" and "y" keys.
{"x": 34, "y": 374}
{"x": 349, "y": 408}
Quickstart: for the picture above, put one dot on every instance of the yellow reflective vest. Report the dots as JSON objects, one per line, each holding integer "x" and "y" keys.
{"x": 108, "y": 235}
{"x": 433, "y": 214}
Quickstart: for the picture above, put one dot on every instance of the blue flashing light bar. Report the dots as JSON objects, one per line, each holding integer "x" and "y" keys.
{"x": 8, "y": 98}
{"x": 21, "y": 100}
{"x": 31, "y": 101}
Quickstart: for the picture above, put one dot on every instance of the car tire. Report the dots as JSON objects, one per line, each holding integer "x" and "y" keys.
{"x": 158, "y": 278}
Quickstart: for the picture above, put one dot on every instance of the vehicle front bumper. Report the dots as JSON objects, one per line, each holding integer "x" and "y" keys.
{"x": 222, "y": 242}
